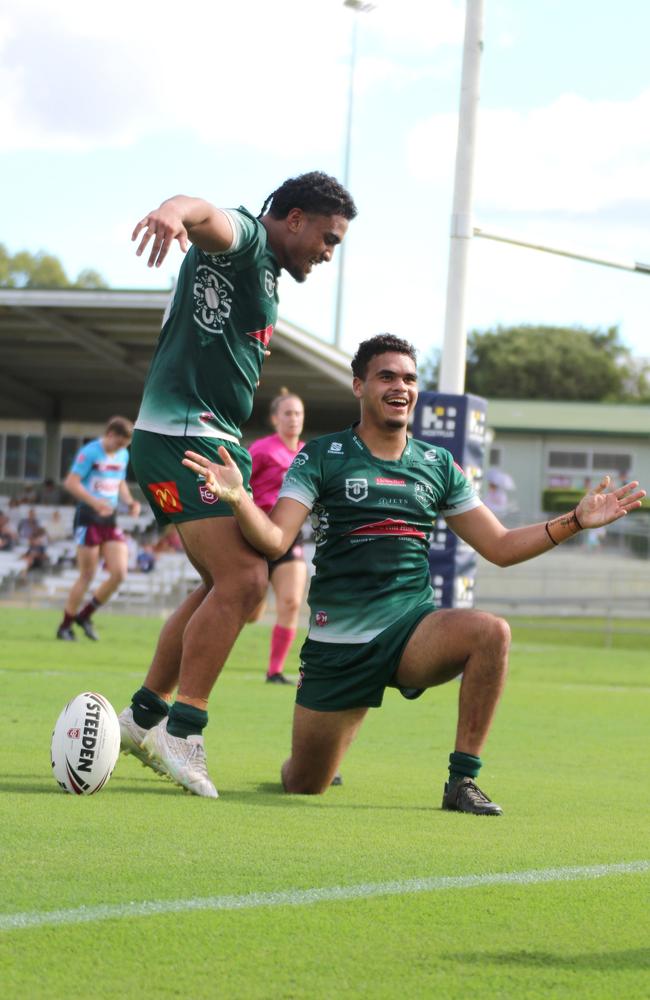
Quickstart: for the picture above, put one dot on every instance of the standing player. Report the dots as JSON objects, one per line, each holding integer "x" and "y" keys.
{"x": 373, "y": 623}
{"x": 198, "y": 393}
{"x": 271, "y": 457}
{"x": 97, "y": 480}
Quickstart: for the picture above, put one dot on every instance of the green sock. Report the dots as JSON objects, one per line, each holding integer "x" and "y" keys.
{"x": 463, "y": 765}
{"x": 186, "y": 720}
{"x": 148, "y": 708}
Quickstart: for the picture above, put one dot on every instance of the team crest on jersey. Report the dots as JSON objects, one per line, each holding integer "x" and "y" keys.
{"x": 207, "y": 496}
{"x": 356, "y": 489}
{"x": 269, "y": 283}
{"x": 166, "y": 496}
{"x": 423, "y": 494}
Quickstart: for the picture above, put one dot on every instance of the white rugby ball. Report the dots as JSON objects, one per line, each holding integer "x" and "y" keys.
{"x": 85, "y": 744}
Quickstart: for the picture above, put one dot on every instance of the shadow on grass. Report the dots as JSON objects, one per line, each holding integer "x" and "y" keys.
{"x": 635, "y": 959}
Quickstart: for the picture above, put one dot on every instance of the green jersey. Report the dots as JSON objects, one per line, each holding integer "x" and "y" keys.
{"x": 215, "y": 331}
{"x": 372, "y": 521}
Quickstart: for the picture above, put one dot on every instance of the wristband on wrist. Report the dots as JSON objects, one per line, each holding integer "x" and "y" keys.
{"x": 563, "y": 527}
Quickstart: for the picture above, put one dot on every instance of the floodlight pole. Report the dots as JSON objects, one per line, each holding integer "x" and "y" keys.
{"x": 454, "y": 349}
{"x": 358, "y": 7}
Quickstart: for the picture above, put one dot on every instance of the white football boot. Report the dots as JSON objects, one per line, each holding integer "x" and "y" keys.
{"x": 131, "y": 737}
{"x": 184, "y": 761}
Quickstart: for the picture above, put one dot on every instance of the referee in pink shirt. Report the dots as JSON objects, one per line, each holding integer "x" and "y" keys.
{"x": 272, "y": 456}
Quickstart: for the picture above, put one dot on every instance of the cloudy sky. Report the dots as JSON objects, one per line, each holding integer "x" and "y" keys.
{"x": 109, "y": 109}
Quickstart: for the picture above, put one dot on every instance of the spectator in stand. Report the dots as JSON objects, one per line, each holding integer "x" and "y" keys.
{"x": 57, "y": 530}
{"x": 36, "y": 556}
{"x": 49, "y": 493}
{"x": 8, "y": 536}
{"x": 271, "y": 457}
{"x": 29, "y": 494}
{"x": 29, "y": 526}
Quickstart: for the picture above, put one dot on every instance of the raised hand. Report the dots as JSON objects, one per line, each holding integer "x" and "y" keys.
{"x": 225, "y": 481}
{"x": 164, "y": 225}
{"x": 599, "y": 507}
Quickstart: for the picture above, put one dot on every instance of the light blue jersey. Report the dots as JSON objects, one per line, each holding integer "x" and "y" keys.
{"x": 100, "y": 473}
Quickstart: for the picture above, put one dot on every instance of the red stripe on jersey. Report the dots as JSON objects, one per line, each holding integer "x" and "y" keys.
{"x": 388, "y": 527}
{"x": 263, "y": 336}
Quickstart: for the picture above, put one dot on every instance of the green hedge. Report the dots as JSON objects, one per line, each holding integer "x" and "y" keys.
{"x": 556, "y": 500}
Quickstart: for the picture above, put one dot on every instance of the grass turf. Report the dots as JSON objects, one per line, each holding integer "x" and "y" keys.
{"x": 566, "y": 761}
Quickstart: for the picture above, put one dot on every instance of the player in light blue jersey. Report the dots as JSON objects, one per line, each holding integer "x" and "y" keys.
{"x": 97, "y": 481}
{"x": 373, "y": 621}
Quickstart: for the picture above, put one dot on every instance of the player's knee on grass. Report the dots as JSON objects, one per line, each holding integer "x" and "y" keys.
{"x": 301, "y": 784}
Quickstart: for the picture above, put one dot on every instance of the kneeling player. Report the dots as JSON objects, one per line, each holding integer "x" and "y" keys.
{"x": 373, "y": 623}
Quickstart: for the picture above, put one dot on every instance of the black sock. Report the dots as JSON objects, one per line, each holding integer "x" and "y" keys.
{"x": 148, "y": 708}
{"x": 186, "y": 720}
{"x": 463, "y": 765}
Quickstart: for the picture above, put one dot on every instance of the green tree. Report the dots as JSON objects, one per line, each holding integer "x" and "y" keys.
{"x": 41, "y": 270}
{"x": 545, "y": 362}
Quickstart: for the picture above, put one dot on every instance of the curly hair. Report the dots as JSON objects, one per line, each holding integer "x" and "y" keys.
{"x": 380, "y": 344}
{"x": 313, "y": 192}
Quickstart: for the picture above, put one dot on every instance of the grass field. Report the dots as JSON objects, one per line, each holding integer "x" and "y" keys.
{"x": 242, "y": 891}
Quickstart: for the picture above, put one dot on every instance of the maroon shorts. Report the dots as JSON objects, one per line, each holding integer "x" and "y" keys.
{"x": 97, "y": 534}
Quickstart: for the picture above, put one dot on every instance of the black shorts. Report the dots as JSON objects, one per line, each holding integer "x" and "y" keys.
{"x": 294, "y": 552}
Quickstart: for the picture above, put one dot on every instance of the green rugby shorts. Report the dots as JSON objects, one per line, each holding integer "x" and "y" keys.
{"x": 175, "y": 493}
{"x": 336, "y": 676}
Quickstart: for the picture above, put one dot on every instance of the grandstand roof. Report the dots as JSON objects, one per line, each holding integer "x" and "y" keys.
{"x": 556, "y": 417}
{"x": 74, "y": 354}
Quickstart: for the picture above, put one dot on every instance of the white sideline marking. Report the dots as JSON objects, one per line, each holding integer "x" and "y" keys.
{"x": 304, "y": 897}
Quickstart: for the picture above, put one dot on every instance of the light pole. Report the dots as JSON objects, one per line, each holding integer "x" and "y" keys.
{"x": 357, "y": 7}
{"x": 454, "y": 348}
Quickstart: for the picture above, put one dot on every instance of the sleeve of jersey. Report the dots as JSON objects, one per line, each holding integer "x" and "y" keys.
{"x": 245, "y": 238}
{"x": 302, "y": 480}
{"x": 461, "y": 495}
{"x": 82, "y": 463}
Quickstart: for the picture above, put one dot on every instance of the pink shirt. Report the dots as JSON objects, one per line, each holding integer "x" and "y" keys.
{"x": 271, "y": 459}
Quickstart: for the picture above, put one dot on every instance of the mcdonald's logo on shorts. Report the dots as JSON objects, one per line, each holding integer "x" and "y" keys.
{"x": 166, "y": 496}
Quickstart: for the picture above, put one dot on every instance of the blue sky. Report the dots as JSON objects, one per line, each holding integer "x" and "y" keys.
{"x": 107, "y": 110}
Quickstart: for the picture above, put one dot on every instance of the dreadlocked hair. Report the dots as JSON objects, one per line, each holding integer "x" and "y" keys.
{"x": 314, "y": 192}
{"x": 380, "y": 344}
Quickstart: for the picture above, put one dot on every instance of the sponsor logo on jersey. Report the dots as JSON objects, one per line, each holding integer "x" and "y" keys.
{"x": 320, "y": 619}
{"x": 393, "y": 501}
{"x": 424, "y": 494}
{"x": 431, "y": 455}
{"x": 388, "y": 527}
{"x": 299, "y": 461}
{"x": 207, "y": 496}
{"x": 166, "y": 496}
{"x": 383, "y": 481}
{"x": 269, "y": 283}
{"x": 263, "y": 336}
{"x": 356, "y": 489}
{"x": 335, "y": 448}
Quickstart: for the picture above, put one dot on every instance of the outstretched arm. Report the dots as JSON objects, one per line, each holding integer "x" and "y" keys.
{"x": 273, "y": 534}
{"x": 183, "y": 219}
{"x": 505, "y": 547}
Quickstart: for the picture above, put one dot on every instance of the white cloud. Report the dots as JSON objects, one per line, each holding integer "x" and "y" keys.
{"x": 574, "y": 155}
{"x": 78, "y": 76}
